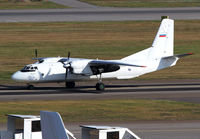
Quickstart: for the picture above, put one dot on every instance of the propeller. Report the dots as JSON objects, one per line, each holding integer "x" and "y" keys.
{"x": 36, "y": 53}
{"x": 67, "y": 65}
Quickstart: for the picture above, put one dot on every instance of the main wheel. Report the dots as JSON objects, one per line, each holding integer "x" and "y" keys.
{"x": 30, "y": 87}
{"x": 100, "y": 86}
{"x": 70, "y": 84}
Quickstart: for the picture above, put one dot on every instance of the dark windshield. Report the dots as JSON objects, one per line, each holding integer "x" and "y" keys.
{"x": 29, "y": 69}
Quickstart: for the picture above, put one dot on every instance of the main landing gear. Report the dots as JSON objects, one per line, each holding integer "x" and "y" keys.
{"x": 100, "y": 86}
{"x": 70, "y": 84}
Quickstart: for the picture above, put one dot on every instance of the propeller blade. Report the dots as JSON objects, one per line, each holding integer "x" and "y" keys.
{"x": 66, "y": 73}
{"x": 67, "y": 66}
{"x": 68, "y": 55}
{"x": 36, "y": 53}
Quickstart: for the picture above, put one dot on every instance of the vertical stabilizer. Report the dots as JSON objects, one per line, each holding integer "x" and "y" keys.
{"x": 163, "y": 44}
{"x": 52, "y": 126}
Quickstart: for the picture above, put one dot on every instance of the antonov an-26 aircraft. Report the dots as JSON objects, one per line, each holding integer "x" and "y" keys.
{"x": 70, "y": 70}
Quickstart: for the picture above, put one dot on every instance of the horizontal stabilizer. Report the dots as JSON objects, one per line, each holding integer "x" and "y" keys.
{"x": 178, "y": 56}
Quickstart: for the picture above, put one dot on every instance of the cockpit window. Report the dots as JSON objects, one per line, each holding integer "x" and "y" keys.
{"x": 29, "y": 69}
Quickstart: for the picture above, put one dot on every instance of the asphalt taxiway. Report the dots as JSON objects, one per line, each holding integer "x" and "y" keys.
{"x": 98, "y": 14}
{"x": 178, "y": 90}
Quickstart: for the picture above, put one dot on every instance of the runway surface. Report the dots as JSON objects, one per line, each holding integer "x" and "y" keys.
{"x": 178, "y": 90}
{"x": 98, "y": 14}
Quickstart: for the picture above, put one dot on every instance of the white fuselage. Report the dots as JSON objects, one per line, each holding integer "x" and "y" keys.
{"x": 50, "y": 70}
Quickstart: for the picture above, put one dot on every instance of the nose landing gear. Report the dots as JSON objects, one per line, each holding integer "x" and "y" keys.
{"x": 30, "y": 87}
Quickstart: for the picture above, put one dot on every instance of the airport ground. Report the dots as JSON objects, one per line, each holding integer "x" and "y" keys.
{"x": 167, "y": 90}
{"x": 148, "y": 88}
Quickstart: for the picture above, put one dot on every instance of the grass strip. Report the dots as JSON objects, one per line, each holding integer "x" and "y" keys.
{"x": 145, "y": 3}
{"x": 5, "y": 4}
{"x": 106, "y": 110}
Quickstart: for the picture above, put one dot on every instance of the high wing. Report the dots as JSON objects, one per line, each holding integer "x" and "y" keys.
{"x": 103, "y": 66}
{"x": 106, "y": 62}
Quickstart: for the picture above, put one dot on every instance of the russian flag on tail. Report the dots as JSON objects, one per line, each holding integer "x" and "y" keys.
{"x": 162, "y": 35}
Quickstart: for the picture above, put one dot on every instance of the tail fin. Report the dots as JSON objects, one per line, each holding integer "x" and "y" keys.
{"x": 52, "y": 126}
{"x": 163, "y": 44}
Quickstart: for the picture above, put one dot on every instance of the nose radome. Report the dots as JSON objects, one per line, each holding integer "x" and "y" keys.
{"x": 25, "y": 77}
{"x": 19, "y": 76}
{"x": 15, "y": 76}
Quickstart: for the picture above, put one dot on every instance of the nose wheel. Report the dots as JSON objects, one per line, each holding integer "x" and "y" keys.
{"x": 30, "y": 87}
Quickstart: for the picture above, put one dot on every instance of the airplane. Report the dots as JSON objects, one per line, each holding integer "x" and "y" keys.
{"x": 70, "y": 70}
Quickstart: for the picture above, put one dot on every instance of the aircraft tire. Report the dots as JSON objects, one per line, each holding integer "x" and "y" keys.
{"x": 30, "y": 87}
{"x": 70, "y": 84}
{"x": 100, "y": 86}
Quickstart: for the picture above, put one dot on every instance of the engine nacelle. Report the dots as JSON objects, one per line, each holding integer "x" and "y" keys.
{"x": 81, "y": 67}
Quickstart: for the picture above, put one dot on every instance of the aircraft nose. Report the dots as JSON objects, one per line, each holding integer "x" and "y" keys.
{"x": 16, "y": 76}
{"x": 25, "y": 77}
{"x": 19, "y": 76}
